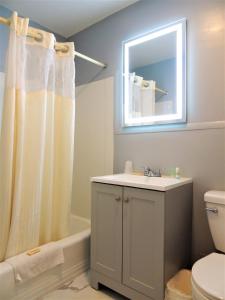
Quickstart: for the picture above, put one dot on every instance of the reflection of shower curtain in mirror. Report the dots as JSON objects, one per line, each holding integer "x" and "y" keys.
{"x": 148, "y": 98}
{"x": 36, "y": 149}
{"x": 142, "y": 96}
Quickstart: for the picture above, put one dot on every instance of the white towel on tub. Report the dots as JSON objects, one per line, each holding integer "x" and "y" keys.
{"x": 26, "y": 267}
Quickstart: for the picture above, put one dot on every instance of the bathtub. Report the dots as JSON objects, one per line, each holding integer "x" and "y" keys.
{"x": 76, "y": 249}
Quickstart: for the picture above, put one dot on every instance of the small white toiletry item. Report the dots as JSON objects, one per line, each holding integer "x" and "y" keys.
{"x": 177, "y": 173}
{"x": 128, "y": 167}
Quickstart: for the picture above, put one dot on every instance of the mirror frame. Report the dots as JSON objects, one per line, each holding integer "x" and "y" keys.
{"x": 179, "y": 28}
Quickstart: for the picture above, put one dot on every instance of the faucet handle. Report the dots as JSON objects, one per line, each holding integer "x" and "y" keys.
{"x": 146, "y": 170}
{"x": 152, "y": 173}
{"x": 157, "y": 173}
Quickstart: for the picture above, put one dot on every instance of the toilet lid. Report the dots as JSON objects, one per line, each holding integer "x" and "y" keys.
{"x": 209, "y": 275}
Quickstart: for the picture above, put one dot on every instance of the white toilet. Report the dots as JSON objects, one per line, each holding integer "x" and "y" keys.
{"x": 208, "y": 273}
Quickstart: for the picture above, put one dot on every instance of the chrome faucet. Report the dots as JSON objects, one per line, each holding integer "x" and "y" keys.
{"x": 151, "y": 173}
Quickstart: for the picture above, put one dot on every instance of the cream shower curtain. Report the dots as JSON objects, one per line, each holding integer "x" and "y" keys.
{"x": 36, "y": 146}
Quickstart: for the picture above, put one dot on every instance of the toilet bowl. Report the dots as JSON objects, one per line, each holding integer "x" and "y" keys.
{"x": 208, "y": 273}
{"x": 208, "y": 278}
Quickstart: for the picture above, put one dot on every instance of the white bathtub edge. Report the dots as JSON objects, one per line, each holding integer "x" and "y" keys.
{"x": 48, "y": 286}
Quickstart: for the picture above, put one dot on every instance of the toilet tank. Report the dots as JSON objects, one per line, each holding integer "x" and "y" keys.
{"x": 215, "y": 208}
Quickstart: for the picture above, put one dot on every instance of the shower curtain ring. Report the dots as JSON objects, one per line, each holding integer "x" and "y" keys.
{"x": 38, "y": 37}
{"x": 63, "y": 49}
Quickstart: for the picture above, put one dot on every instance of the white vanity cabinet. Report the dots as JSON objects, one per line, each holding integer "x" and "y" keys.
{"x": 140, "y": 237}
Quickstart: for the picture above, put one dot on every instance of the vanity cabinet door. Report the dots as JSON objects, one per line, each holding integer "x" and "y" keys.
{"x": 106, "y": 230}
{"x": 143, "y": 242}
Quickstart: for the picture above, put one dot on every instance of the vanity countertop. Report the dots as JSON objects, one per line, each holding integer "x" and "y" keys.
{"x": 151, "y": 183}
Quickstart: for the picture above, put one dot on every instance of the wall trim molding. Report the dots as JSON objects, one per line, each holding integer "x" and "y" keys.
{"x": 171, "y": 128}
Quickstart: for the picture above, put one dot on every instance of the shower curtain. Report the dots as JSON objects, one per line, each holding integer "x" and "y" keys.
{"x": 148, "y": 98}
{"x": 36, "y": 146}
{"x": 142, "y": 96}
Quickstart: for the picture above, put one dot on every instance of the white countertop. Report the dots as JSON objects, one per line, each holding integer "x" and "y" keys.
{"x": 151, "y": 183}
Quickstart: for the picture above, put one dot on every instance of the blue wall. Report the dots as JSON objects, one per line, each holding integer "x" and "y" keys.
{"x": 4, "y": 31}
{"x": 200, "y": 154}
{"x": 164, "y": 73}
{"x": 4, "y": 12}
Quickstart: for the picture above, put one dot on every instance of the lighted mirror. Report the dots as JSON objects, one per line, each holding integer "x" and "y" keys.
{"x": 154, "y": 77}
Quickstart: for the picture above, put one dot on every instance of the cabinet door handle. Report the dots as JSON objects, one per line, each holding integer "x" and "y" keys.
{"x": 126, "y": 200}
{"x": 117, "y": 198}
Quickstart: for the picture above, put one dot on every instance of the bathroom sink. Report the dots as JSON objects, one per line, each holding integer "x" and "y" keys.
{"x": 144, "y": 182}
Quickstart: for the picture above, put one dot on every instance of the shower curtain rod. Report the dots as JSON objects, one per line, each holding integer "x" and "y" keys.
{"x": 38, "y": 36}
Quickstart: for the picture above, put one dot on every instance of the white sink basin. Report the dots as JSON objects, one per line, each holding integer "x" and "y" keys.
{"x": 144, "y": 182}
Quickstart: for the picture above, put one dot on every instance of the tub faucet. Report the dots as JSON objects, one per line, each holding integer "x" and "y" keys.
{"x": 151, "y": 173}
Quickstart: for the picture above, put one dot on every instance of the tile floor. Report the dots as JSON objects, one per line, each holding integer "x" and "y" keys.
{"x": 80, "y": 289}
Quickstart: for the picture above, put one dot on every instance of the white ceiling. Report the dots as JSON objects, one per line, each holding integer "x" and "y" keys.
{"x": 66, "y": 17}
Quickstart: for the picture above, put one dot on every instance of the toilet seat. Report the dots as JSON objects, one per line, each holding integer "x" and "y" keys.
{"x": 208, "y": 277}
